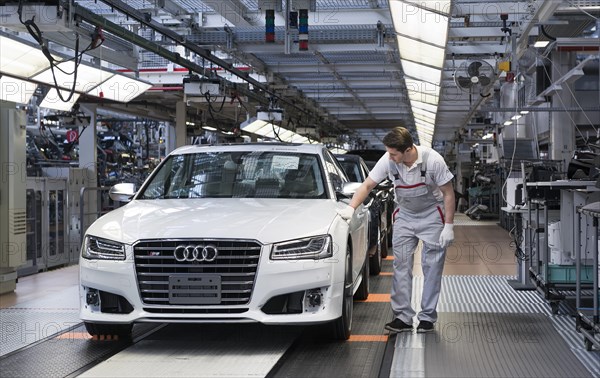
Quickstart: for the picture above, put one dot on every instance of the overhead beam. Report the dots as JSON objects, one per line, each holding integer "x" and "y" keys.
{"x": 233, "y": 12}
{"x": 125, "y": 59}
{"x": 176, "y": 58}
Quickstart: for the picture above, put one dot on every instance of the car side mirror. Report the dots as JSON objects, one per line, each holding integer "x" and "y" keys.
{"x": 122, "y": 192}
{"x": 348, "y": 189}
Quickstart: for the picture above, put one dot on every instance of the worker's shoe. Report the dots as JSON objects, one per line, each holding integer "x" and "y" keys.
{"x": 424, "y": 326}
{"x": 398, "y": 325}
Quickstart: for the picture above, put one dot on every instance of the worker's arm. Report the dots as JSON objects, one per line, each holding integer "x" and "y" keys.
{"x": 447, "y": 235}
{"x": 359, "y": 196}
{"x": 449, "y": 201}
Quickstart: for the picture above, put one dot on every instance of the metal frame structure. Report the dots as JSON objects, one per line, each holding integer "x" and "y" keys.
{"x": 349, "y": 81}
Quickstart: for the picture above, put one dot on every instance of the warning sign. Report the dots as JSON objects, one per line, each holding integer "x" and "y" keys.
{"x": 71, "y": 136}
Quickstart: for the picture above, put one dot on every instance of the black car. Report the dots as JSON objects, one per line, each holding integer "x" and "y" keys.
{"x": 380, "y": 224}
{"x": 371, "y": 156}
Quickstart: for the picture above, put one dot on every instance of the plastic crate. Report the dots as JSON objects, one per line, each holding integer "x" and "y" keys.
{"x": 566, "y": 274}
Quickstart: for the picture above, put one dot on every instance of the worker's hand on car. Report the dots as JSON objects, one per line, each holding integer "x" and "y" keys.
{"x": 346, "y": 213}
{"x": 447, "y": 235}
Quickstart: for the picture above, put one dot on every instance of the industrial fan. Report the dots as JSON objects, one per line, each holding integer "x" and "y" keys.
{"x": 474, "y": 76}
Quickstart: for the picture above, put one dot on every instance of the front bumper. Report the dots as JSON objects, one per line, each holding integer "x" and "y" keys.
{"x": 273, "y": 278}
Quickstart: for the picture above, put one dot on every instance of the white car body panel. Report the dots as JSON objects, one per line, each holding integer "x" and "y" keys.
{"x": 264, "y": 220}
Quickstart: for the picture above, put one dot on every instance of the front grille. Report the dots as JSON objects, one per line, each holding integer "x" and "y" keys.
{"x": 236, "y": 265}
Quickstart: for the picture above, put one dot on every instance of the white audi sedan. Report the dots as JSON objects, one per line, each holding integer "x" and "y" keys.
{"x": 228, "y": 233}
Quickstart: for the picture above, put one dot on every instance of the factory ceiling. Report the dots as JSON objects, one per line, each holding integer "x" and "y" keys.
{"x": 343, "y": 65}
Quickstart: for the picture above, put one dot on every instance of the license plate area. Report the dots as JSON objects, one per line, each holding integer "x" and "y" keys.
{"x": 195, "y": 289}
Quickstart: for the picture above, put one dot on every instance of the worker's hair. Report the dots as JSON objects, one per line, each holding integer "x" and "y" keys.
{"x": 399, "y": 138}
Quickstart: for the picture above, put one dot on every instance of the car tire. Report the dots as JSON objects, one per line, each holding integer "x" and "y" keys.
{"x": 123, "y": 331}
{"x": 376, "y": 260}
{"x": 341, "y": 328}
{"x": 363, "y": 289}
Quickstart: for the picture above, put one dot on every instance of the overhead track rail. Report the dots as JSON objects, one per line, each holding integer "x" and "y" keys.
{"x": 146, "y": 20}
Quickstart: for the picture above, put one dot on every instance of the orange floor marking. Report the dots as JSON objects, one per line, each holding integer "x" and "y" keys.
{"x": 369, "y": 338}
{"x": 389, "y": 258}
{"x": 377, "y": 298}
{"x": 74, "y": 336}
{"x": 385, "y": 273}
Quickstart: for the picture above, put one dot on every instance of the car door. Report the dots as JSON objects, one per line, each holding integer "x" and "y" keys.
{"x": 359, "y": 226}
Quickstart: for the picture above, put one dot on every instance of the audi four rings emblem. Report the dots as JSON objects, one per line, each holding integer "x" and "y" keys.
{"x": 198, "y": 253}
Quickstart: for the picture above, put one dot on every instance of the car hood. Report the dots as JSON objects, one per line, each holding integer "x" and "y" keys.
{"x": 265, "y": 220}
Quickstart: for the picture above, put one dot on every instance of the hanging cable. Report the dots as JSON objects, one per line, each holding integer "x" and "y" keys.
{"x": 37, "y": 35}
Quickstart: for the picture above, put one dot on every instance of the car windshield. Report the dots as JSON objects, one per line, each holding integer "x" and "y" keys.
{"x": 238, "y": 174}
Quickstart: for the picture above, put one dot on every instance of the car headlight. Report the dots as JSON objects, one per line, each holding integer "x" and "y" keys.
{"x": 317, "y": 247}
{"x": 101, "y": 249}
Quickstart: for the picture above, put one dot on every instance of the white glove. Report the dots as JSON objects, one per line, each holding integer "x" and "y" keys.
{"x": 346, "y": 213}
{"x": 447, "y": 235}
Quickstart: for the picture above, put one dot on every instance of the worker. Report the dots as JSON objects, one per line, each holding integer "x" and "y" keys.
{"x": 424, "y": 211}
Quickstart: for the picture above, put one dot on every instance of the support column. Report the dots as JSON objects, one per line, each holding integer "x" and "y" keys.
{"x": 88, "y": 161}
{"x": 170, "y": 138}
{"x": 13, "y": 201}
{"x": 180, "y": 127}
{"x": 562, "y": 129}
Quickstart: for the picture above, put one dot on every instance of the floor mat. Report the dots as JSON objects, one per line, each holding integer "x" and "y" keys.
{"x": 497, "y": 345}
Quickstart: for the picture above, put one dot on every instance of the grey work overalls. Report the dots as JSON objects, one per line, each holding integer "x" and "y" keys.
{"x": 419, "y": 215}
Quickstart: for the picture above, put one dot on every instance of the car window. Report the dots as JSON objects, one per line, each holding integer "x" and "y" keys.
{"x": 353, "y": 170}
{"x": 247, "y": 174}
{"x": 335, "y": 171}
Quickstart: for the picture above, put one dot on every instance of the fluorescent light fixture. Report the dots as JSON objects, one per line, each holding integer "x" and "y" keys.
{"x": 508, "y": 123}
{"x": 426, "y": 87}
{"x": 421, "y": 72}
{"x": 516, "y": 117}
{"x": 424, "y": 97}
{"x": 423, "y": 106}
{"x": 300, "y": 139}
{"x": 487, "y": 136}
{"x": 439, "y": 6}
{"x": 423, "y": 117}
{"x": 120, "y": 88}
{"x": 425, "y": 113}
{"x": 524, "y": 112}
{"x": 424, "y": 140}
{"x": 53, "y": 101}
{"x": 541, "y": 44}
{"x": 16, "y": 90}
{"x": 269, "y": 130}
{"x": 409, "y": 20}
{"x": 425, "y": 130}
{"x": 337, "y": 150}
{"x": 87, "y": 77}
{"x": 421, "y": 52}
{"x": 252, "y": 125}
{"x": 424, "y": 137}
{"x": 425, "y": 127}
{"x": 209, "y": 128}
{"x": 21, "y": 59}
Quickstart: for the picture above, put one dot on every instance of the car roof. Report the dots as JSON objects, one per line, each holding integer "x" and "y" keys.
{"x": 281, "y": 147}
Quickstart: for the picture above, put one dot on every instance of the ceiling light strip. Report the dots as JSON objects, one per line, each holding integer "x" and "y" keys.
{"x": 414, "y": 21}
